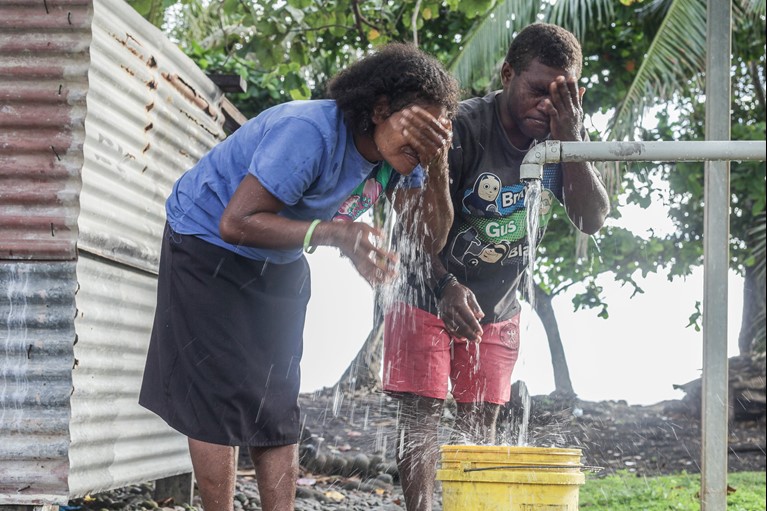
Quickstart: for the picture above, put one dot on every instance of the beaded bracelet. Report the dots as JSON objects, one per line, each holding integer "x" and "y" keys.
{"x": 442, "y": 283}
{"x": 308, "y": 238}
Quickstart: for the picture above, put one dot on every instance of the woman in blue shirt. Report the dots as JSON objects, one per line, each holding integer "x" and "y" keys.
{"x": 223, "y": 361}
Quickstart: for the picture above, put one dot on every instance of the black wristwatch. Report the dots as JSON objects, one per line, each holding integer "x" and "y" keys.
{"x": 442, "y": 283}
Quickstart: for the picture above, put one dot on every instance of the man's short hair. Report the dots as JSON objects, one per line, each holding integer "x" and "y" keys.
{"x": 552, "y": 45}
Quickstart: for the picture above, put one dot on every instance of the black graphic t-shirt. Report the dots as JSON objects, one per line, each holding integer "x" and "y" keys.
{"x": 487, "y": 249}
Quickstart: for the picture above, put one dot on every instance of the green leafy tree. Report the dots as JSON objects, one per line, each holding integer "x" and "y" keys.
{"x": 288, "y": 50}
{"x": 747, "y": 179}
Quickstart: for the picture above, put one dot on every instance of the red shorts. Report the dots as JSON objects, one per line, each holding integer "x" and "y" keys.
{"x": 420, "y": 357}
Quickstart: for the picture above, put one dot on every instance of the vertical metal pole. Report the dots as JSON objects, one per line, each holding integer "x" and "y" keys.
{"x": 713, "y": 495}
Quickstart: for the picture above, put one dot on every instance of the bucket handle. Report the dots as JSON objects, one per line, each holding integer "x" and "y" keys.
{"x": 588, "y": 468}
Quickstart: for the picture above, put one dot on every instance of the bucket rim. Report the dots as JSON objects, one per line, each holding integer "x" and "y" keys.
{"x": 509, "y": 449}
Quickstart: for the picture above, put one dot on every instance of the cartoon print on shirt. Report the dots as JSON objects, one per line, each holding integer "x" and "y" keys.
{"x": 469, "y": 250}
{"x": 496, "y": 233}
{"x": 493, "y": 253}
{"x": 482, "y": 199}
{"x": 358, "y": 203}
{"x": 465, "y": 243}
{"x": 547, "y": 202}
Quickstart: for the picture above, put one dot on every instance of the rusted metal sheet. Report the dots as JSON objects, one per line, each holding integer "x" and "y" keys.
{"x": 151, "y": 115}
{"x": 99, "y": 114}
{"x": 43, "y": 83}
{"x": 37, "y": 310}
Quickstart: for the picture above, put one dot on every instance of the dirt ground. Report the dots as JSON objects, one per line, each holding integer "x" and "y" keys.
{"x": 647, "y": 440}
{"x": 347, "y": 452}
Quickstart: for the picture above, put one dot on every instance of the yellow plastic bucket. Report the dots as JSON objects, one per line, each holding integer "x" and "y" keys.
{"x": 495, "y": 478}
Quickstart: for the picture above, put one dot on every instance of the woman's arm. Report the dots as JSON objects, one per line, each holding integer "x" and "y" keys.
{"x": 251, "y": 218}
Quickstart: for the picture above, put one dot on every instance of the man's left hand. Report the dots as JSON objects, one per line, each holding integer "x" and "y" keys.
{"x": 565, "y": 110}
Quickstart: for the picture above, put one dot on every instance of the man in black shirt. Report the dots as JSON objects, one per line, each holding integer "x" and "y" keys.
{"x": 465, "y": 330}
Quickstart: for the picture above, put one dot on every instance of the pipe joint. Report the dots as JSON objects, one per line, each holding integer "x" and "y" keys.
{"x": 531, "y": 168}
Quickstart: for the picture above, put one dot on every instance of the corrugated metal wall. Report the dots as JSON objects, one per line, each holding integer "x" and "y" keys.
{"x": 99, "y": 114}
{"x": 43, "y": 82}
{"x": 44, "y": 64}
{"x": 151, "y": 114}
{"x": 115, "y": 441}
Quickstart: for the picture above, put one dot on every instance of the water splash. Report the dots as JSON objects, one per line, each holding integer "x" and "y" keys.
{"x": 411, "y": 277}
{"x": 533, "y": 207}
{"x": 380, "y": 441}
{"x": 338, "y": 399}
{"x": 414, "y": 265}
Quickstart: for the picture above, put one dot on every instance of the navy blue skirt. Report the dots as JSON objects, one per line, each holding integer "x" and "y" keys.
{"x": 223, "y": 360}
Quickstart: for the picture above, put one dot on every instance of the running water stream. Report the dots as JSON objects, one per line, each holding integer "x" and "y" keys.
{"x": 532, "y": 208}
{"x": 414, "y": 263}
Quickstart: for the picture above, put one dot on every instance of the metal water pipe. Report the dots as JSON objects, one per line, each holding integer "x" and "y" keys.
{"x": 716, "y": 261}
{"x": 554, "y": 151}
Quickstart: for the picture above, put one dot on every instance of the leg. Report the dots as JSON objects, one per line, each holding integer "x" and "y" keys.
{"x": 417, "y": 364}
{"x": 418, "y": 448}
{"x": 481, "y": 378}
{"x": 276, "y": 473}
{"x": 213, "y": 466}
{"x": 476, "y": 422}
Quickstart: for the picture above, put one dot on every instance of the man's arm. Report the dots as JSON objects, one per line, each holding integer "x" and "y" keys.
{"x": 585, "y": 196}
{"x": 426, "y": 215}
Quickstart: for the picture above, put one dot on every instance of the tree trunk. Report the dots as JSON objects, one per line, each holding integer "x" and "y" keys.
{"x": 751, "y": 338}
{"x": 363, "y": 372}
{"x": 543, "y": 307}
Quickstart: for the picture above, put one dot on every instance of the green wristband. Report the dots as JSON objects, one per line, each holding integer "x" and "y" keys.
{"x": 308, "y": 238}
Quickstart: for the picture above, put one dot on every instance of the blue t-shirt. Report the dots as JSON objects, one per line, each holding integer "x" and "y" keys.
{"x": 302, "y": 152}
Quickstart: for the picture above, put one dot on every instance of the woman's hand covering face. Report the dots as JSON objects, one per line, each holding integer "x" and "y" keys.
{"x": 412, "y": 136}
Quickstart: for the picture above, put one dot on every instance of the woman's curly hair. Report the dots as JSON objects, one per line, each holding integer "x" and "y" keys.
{"x": 399, "y": 72}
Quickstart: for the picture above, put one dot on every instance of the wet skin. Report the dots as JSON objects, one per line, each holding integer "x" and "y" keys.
{"x": 413, "y": 135}
{"x": 407, "y": 137}
{"x": 539, "y": 101}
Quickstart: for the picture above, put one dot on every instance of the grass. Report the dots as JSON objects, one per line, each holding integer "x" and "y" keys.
{"x": 681, "y": 492}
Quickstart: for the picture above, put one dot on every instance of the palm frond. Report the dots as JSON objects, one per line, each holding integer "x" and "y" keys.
{"x": 577, "y": 15}
{"x": 676, "y": 56}
{"x": 486, "y": 44}
{"x": 754, "y": 7}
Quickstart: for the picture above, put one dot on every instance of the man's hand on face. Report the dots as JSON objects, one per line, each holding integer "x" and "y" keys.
{"x": 564, "y": 109}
